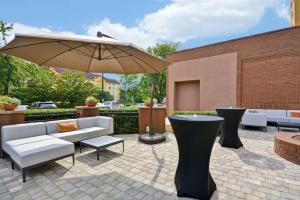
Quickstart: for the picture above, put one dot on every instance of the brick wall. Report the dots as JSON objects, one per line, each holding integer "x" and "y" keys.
{"x": 268, "y": 69}
{"x": 287, "y": 147}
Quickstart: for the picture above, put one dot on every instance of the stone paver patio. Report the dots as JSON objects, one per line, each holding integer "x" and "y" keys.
{"x": 147, "y": 172}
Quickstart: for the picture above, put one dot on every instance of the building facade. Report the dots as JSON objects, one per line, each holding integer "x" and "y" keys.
{"x": 259, "y": 71}
{"x": 113, "y": 87}
{"x": 295, "y": 12}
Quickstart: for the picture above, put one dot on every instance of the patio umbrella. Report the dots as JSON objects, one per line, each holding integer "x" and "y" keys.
{"x": 103, "y": 54}
{"x": 89, "y": 54}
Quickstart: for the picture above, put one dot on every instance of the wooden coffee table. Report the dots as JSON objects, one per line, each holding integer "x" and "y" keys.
{"x": 100, "y": 143}
{"x": 287, "y": 125}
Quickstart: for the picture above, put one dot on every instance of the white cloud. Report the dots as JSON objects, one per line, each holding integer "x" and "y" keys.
{"x": 22, "y": 28}
{"x": 121, "y": 32}
{"x": 183, "y": 20}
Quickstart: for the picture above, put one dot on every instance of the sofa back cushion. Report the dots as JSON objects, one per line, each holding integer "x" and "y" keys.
{"x": 87, "y": 122}
{"x": 19, "y": 131}
{"x": 52, "y": 126}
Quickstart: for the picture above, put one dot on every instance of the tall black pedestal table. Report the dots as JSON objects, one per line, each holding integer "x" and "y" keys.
{"x": 229, "y": 132}
{"x": 195, "y": 138}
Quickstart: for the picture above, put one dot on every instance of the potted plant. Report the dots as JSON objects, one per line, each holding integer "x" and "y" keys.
{"x": 147, "y": 102}
{"x": 8, "y": 103}
{"x": 91, "y": 101}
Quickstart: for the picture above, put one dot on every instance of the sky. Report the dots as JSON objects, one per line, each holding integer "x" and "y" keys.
{"x": 192, "y": 23}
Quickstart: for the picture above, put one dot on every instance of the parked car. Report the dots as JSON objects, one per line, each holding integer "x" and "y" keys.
{"x": 43, "y": 105}
{"x": 111, "y": 104}
{"x": 22, "y": 107}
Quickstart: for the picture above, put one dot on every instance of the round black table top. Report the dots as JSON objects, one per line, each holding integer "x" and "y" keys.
{"x": 196, "y": 118}
{"x": 230, "y": 108}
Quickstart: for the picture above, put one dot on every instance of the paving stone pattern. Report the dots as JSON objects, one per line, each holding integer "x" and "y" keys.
{"x": 147, "y": 172}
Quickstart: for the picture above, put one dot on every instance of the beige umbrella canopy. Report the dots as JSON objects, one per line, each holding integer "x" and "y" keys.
{"x": 88, "y": 54}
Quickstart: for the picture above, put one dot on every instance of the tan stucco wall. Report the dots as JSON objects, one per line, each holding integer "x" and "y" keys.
{"x": 217, "y": 75}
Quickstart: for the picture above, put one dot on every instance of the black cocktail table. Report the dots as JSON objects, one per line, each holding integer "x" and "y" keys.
{"x": 195, "y": 138}
{"x": 102, "y": 142}
{"x": 229, "y": 132}
{"x": 287, "y": 125}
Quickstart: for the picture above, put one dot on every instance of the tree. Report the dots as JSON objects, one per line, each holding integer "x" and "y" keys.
{"x": 32, "y": 82}
{"x": 7, "y": 69}
{"x": 130, "y": 88}
{"x": 159, "y": 79}
{"x": 72, "y": 87}
{"x": 106, "y": 96}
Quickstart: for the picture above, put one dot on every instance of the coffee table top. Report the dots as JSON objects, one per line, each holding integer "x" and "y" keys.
{"x": 101, "y": 141}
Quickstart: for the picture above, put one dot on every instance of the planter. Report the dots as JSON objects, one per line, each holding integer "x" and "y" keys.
{"x": 9, "y": 107}
{"x": 90, "y": 104}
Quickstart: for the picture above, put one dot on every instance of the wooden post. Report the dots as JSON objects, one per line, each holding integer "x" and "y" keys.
{"x": 85, "y": 111}
{"x": 158, "y": 119}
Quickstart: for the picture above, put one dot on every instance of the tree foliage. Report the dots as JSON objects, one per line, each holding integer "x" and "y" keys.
{"x": 106, "y": 96}
{"x": 6, "y": 68}
{"x": 73, "y": 87}
{"x": 130, "y": 89}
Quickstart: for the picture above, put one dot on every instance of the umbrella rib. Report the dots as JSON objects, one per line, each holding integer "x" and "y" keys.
{"x": 28, "y": 45}
{"x": 139, "y": 64}
{"x": 91, "y": 59}
{"x": 106, "y": 58}
{"x": 61, "y": 53}
{"x": 139, "y": 59}
{"x": 83, "y": 53}
{"x": 116, "y": 60}
{"x": 113, "y": 55}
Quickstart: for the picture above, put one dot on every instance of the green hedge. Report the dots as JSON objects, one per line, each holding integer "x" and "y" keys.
{"x": 212, "y": 113}
{"x": 125, "y": 120}
{"x": 49, "y": 111}
{"x": 42, "y": 115}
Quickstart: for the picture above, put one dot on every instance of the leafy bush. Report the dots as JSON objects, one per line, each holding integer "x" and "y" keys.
{"x": 91, "y": 99}
{"x": 10, "y": 100}
{"x": 212, "y": 113}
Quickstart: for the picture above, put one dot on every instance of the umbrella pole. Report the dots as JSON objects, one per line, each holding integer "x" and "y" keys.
{"x": 102, "y": 99}
{"x": 151, "y": 131}
{"x": 152, "y": 137}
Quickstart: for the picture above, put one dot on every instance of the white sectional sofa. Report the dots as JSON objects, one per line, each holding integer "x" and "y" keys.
{"x": 34, "y": 144}
{"x": 260, "y": 117}
{"x": 254, "y": 119}
{"x": 89, "y": 127}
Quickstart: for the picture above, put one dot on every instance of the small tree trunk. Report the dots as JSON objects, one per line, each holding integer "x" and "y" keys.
{"x": 8, "y": 77}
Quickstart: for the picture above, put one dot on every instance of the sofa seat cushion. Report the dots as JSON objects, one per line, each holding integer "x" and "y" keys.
{"x": 72, "y": 136}
{"x": 294, "y": 120}
{"x": 95, "y": 131}
{"x": 7, "y": 145}
{"x": 29, "y": 154}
